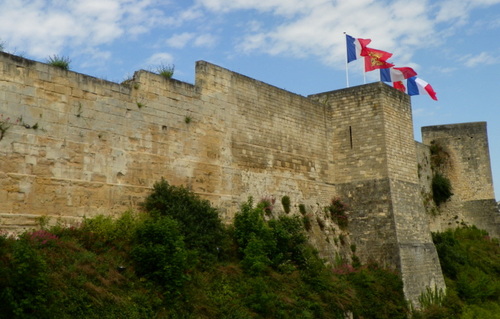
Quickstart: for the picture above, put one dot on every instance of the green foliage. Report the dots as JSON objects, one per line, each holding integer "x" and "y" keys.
{"x": 302, "y": 209}
{"x": 439, "y": 156}
{"x": 379, "y": 293}
{"x": 159, "y": 253}
{"x": 254, "y": 237}
{"x": 338, "y": 212}
{"x": 441, "y": 188}
{"x": 279, "y": 243}
{"x": 24, "y": 280}
{"x": 199, "y": 222}
{"x": 59, "y": 61}
{"x": 165, "y": 70}
{"x": 470, "y": 261}
{"x": 285, "y": 201}
{"x": 138, "y": 266}
{"x": 306, "y": 221}
{"x": 431, "y": 297}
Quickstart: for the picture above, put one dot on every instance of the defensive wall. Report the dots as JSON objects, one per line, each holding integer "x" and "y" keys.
{"x": 74, "y": 146}
{"x": 465, "y": 160}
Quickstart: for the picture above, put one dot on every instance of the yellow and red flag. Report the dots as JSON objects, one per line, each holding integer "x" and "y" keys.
{"x": 376, "y": 59}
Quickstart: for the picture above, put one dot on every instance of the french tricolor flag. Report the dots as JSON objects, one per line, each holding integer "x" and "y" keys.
{"x": 396, "y": 74}
{"x": 416, "y": 86}
{"x": 355, "y": 47}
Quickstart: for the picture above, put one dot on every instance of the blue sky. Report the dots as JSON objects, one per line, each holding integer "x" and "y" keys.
{"x": 297, "y": 45}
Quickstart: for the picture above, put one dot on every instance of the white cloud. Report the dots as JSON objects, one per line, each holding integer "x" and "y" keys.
{"x": 398, "y": 25}
{"x": 44, "y": 27}
{"x": 281, "y": 7}
{"x": 315, "y": 28}
{"x": 483, "y": 58}
{"x": 160, "y": 58}
{"x": 180, "y": 40}
{"x": 205, "y": 40}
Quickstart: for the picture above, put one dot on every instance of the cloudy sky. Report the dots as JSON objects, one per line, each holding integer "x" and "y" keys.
{"x": 297, "y": 45}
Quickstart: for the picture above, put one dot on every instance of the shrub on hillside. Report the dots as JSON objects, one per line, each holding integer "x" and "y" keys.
{"x": 24, "y": 279}
{"x": 159, "y": 253}
{"x": 199, "y": 222}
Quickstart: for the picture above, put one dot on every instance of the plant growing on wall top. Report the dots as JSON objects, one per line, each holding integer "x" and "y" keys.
{"x": 61, "y": 62}
{"x": 166, "y": 70}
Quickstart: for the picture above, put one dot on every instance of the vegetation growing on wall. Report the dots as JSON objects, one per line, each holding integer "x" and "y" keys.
{"x": 285, "y": 201}
{"x": 166, "y": 70}
{"x": 5, "y": 125}
{"x": 441, "y": 185}
{"x": 441, "y": 188}
{"x": 177, "y": 260}
{"x": 59, "y": 61}
{"x": 338, "y": 212}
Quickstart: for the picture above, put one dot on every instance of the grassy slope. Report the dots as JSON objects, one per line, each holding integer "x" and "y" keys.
{"x": 154, "y": 266}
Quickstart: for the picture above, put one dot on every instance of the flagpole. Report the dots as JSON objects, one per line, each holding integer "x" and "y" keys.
{"x": 346, "y": 64}
{"x": 364, "y": 71}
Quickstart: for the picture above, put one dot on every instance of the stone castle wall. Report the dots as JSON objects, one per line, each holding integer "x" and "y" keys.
{"x": 99, "y": 146}
{"x": 80, "y": 146}
{"x": 466, "y": 162}
{"x": 377, "y": 173}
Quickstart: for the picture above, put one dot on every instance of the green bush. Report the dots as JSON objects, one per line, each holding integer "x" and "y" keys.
{"x": 199, "y": 222}
{"x": 159, "y": 253}
{"x": 285, "y": 201}
{"x": 61, "y": 62}
{"x": 379, "y": 293}
{"x": 253, "y": 236}
{"x": 470, "y": 261}
{"x": 338, "y": 212}
{"x": 441, "y": 188}
{"x": 24, "y": 281}
{"x": 165, "y": 70}
{"x": 280, "y": 243}
{"x": 289, "y": 237}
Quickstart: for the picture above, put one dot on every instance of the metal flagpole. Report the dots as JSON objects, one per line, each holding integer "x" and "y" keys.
{"x": 346, "y": 63}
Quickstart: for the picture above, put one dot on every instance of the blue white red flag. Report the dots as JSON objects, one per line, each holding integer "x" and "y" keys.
{"x": 416, "y": 86}
{"x": 355, "y": 47}
{"x": 396, "y": 74}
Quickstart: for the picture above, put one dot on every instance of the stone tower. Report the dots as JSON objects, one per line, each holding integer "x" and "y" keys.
{"x": 376, "y": 170}
{"x": 467, "y": 165}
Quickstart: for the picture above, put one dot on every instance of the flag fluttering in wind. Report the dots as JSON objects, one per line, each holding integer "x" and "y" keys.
{"x": 416, "y": 86}
{"x": 403, "y": 78}
{"x": 355, "y": 47}
{"x": 376, "y": 59}
{"x": 396, "y": 74}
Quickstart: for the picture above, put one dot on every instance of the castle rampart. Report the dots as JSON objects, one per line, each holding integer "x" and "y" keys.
{"x": 465, "y": 160}
{"x": 77, "y": 146}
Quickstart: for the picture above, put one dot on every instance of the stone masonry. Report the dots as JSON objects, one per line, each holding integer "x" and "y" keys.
{"x": 72, "y": 146}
